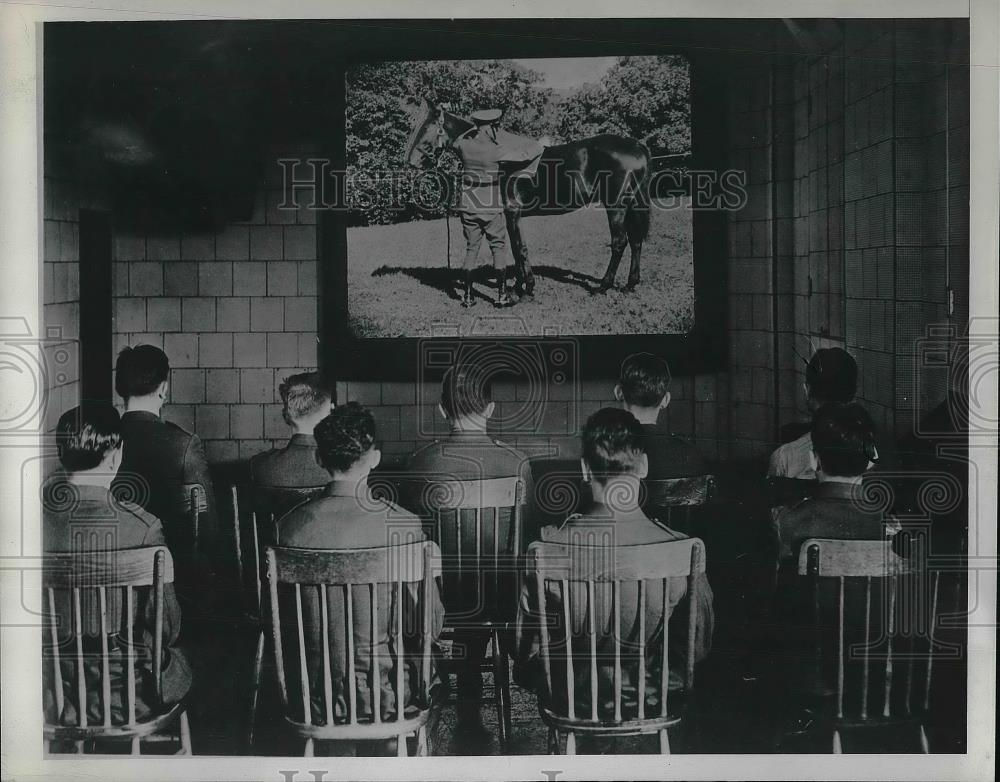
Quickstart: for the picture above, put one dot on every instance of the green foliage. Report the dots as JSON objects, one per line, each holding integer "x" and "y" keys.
{"x": 642, "y": 97}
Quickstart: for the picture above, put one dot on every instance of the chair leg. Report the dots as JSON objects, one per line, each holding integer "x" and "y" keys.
{"x": 925, "y": 746}
{"x": 79, "y": 748}
{"x": 664, "y": 742}
{"x": 307, "y": 752}
{"x": 502, "y": 689}
{"x": 837, "y": 748}
{"x": 185, "y": 735}
{"x": 423, "y": 749}
{"x": 135, "y": 746}
{"x": 401, "y": 746}
{"x": 258, "y": 665}
{"x": 553, "y": 742}
{"x": 571, "y": 743}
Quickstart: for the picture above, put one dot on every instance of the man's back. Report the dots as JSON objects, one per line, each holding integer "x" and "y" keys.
{"x": 670, "y": 456}
{"x": 293, "y": 466}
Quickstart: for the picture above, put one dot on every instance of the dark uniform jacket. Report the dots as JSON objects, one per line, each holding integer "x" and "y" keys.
{"x": 163, "y": 457}
{"x": 81, "y": 519}
{"x": 293, "y": 466}
{"x": 346, "y": 516}
{"x": 670, "y": 456}
{"x": 625, "y": 528}
{"x": 481, "y": 157}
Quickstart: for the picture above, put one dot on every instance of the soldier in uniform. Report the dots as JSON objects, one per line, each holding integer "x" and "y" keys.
{"x": 481, "y": 208}
{"x": 346, "y": 516}
{"x": 159, "y": 458}
{"x": 469, "y": 453}
{"x": 306, "y": 400}
{"x": 613, "y": 464}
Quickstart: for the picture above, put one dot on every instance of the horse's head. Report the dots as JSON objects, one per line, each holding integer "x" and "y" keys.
{"x": 428, "y": 135}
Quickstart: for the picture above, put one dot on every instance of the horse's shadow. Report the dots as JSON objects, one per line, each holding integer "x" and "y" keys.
{"x": 448, "y": 281}
{"x": 585, "y": 281}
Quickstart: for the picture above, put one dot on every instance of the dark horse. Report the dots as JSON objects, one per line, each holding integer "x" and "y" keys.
{"x": 611, "y": 170}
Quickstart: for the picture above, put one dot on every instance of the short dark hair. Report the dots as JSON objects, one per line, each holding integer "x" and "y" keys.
{"x": 644, "y": 379}
{"x": 466, "y": 389}
{"x": 843, "y": 437}
{"x": 832, "y": 375}
{"x": 612, "y": 443}
{"x": 304, "y": 394}
{"x": 85, "y": 434}
{"x": 344, "y": 436}
{"x": 140, "y": 370}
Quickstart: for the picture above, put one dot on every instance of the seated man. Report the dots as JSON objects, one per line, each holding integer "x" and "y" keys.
{"x": 831, "y": 376}
{"x": 614, "y": 463}
{"x": 160, "y": 457}
{"x": 90, "y": 452}
{"x": 644, "y": 390}
{"x": 346, "y": 516}
{"x": 305, "y": 401}
{"x": 468, "y": 453}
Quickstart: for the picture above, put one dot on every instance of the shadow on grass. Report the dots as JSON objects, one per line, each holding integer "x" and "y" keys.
{"x": 585, "y": 281}
{"x": 448, "y": 281}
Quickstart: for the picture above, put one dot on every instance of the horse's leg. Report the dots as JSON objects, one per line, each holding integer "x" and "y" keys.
{"x": 519, "y": 249}
{"x": 616, "y": 222}
{"x": 636, "y": 229}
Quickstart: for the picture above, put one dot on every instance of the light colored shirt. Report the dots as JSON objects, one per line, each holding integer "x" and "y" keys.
{"x": 794, "y": 460}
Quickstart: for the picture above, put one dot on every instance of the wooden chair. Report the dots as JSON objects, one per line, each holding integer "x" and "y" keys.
{"x": 479, "y": 583}
{"x": 588, "y": 583}
{"x": 193, "y": 502}
{"x": 905, "y": 589}
{"x": 112, "y": 579}
{"x": 670, "y": 500}
{"x": 257, "y": 510}
{"x": 345, "y": 581}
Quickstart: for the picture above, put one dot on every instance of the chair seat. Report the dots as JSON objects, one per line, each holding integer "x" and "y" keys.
{"x": 633, "y": 727}
{"x": 139, "y": 729}
{"x": 879, "y": 721}
{"x": 366, "y": 730}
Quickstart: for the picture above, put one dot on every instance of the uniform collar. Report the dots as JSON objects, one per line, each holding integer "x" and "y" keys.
{"x": 140, "y": 415}
{"x": 342, "y": 488}
{"x": 302, "y": 441}
{"x": 466, "y": 434}
{"x": 836, "y": 490}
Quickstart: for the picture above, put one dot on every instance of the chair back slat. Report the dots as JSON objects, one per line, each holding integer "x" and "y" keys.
{"x": 56, "y": 667}
{"x": 105, "y": 656}
{"x": 930, "y": 657}
{"x": 193, "y": 503}
{"x": 234, "y": 500}
{"x": 674, "y": 492}
{"x": 588, "y": 581}
{"x": 886, "y": 699}
{"x": 81, "y": 677}
{"x": 694, "y": 596}
{"x": 866, "y": 658}
{"x": 128, "y": 567}
{"x": 358, "y": 577}
{"x": 159, "y": 563}
{"x": 840, "y": 646}
{"x": 130, "y": 653}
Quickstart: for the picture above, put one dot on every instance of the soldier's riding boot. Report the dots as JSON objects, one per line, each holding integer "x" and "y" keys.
{"x": 467, "y": 298}
{"x": 502, "y": 298}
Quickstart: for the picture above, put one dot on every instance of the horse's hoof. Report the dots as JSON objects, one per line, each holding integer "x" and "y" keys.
{"x": 466, "y": 303}
{"x": 630, "y": 288}
{"x": 601, "y": 290}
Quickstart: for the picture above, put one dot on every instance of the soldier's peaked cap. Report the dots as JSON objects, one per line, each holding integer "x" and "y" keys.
{"x": 484, "y": 116}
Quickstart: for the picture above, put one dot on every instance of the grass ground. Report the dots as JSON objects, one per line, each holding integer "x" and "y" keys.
{"x": 399, "y": 283}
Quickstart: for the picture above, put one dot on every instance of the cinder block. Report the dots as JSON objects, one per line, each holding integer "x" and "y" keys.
{"x": 146, "y": 279}
{"x": 396, "y": 393}
{"x": 187, "y": 386}
{"x": 130, "y": 247}
{"x": 246, "y": 421}
{"x": 267, "y": 314}
{"x": 761, "y": 319}
{"x": 249, "y": 448}
{"x": 274, "y": 423}
{"x": 365, "y": 392}
{"x": 257, "y": 385}
{"x": 282, "y": 349}
{"x": 216, "y": 350}
{"x": 249, "y": 279}
{"x": 215, "y": 279}
{"x": 69, "y": 242}
{"x": 180, "y": 278}
{"x": 198, "y": 314}
{"x": 220, "y": 451}
{"x": 164, "y": 314}
{"x": 250, "y": 350}
{"x": 300, "y": 313}
{"x": 282, "y": 278}
{"x": 51, "y": 247}
{"x": 180, "y": 415}
{"x": 212, "y": 421}
{"x": 222, "y": 385}
{"x": 198, "y": 247}
{"x": 281, "y": 213}
{"x": 308, "y": 350}
{"x": 308, "y": 280}
{"x": 233, "y": 243}
{"x": 300, "y": 242}
{"x": 265, "y": 242}
{"x": 130, "y": 315}
{"x": 232, "y": 314}
{"x": 163, "y": 248}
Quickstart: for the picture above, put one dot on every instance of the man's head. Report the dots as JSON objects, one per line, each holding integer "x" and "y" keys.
{"x": 487, "y": 119}
{"x": 141, "y": 374}
{"x": 89, "y": 439}
{"x": 467, "y": 396}
{"x": 612, "y": 446}
{"x": 643, "y": 385}
{"x": 831, "y": 376}
{"x": 306, "y": 400}
{"x": 345, "y": 441}
{"x": 843, "y": 438}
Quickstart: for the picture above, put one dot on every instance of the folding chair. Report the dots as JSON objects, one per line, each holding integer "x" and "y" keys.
{"x": 480, "y": 585}
{"x": 352, "y": 589}
{"x": 580, "y": 592}
{"x": 108, "y": 580}
{"x": 193, "y": 502}
{"x": 257, "y": 509}
{"x": 904, "y": 592}
{"x": 670, "y": 500}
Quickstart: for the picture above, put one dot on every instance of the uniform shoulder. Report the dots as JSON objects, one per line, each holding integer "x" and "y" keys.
{"x": 177, "y": 431}
{"x": 512, "y": 450}
{"x": 134, "y": 511}
{"x": 398, "y": 512}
